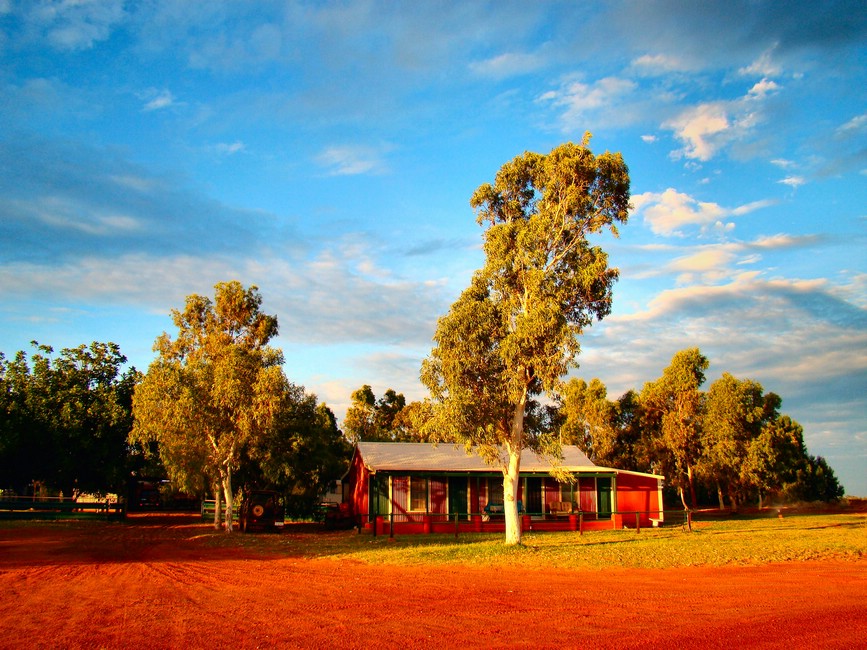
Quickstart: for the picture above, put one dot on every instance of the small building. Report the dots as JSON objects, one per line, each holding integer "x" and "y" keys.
{"x": 408, "y": 487}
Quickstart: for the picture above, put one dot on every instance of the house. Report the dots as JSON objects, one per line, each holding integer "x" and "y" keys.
{"x": 408, "y": 487}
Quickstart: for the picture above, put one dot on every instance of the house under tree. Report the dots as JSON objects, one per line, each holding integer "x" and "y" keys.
{"x": 409, "y": 487}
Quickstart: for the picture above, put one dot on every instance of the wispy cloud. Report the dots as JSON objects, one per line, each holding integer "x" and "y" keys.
{"x": 508, "y": 64}
{"x": 707, "y": 128}
{"x": 74, "y": 25}
{"x": 658, "y": 63}
{"x": 670, "y": 212}
{"x": 230, "y": 148}
{"x": 583, "y": 103}
{"x": 763, "y": 66}
{"x": 158, "y": 100}
{"x": 351, "y": 160}
{"x": 855, "y": 125}
{"x": 793, "y": 181}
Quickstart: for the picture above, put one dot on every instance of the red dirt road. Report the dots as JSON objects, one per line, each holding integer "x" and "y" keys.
{"x": 156, "y": 584}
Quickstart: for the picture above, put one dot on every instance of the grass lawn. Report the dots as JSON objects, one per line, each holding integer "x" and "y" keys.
{"x": 716, "y": 541}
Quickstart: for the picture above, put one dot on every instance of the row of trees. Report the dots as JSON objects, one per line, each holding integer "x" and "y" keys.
{"x": 64, "y": 420}
{"x": 215, "y": 412}
{"x": 731, "y": 441}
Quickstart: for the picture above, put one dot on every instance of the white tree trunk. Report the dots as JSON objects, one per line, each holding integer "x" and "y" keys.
{"x": 511, "y": 475}
{"x": 510, "y": 498}
{"x": 218, "y": 509}
{"x": 227, "y": 491}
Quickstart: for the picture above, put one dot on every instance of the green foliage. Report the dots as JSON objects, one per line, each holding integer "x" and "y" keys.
{"x": 512, "y": 334}
{"x": 302, "y": 452}
{"x": 672, "y": 410}
{"x": 218, "y": 405}
{"x": 369, "y": 419}
{"x": 213, "y": 390}
{"x": 64, "y": 420}
{"x": 733, "y": 419}
{"x": 731, "y": 440}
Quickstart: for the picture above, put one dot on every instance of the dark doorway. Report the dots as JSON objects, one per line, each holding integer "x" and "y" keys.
{"x": 533, "y": 498}
{"x": 458, "y": 495}
{"x": 603, "y": 497}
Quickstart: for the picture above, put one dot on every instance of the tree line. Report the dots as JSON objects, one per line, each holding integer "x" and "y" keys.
{"x": 214, "y": 413}
{"x": 730, "y": 443}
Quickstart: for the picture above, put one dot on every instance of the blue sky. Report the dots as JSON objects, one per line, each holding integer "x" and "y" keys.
{"x": 326, "y": 152}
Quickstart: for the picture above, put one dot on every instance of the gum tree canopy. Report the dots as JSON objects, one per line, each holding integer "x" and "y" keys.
{"x": 212, "y": 391}
{"x": 513, "y": 332}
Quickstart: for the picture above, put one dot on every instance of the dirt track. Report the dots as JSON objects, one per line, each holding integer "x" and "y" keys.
{"x": 156, "y": 584}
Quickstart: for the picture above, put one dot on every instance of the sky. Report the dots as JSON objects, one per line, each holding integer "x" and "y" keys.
{"x": 326, "y": 152}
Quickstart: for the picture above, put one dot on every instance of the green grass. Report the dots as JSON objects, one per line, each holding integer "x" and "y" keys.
{"x": 750, "y": 541}
{"x": 716, "y": 541}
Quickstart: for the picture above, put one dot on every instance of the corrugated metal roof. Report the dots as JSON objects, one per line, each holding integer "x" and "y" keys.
{"x": 443, "y": 457}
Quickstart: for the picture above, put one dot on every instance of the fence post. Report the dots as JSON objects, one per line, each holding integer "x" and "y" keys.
{"x": 637, "y": 523}
{"x": 581, "y": 523}
{"x": 457, "y": 517}
{"x": 391, "y": 525}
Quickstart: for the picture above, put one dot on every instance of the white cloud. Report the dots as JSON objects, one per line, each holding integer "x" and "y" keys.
{"x": 700, "y": 128}
{"x": 658, "y": 64}
{"x": 856, "y": 124}
{"x": 707, "y": 128}
{"x": 230, "y": 148}
{"x": 162, "y": 99}
{"x": 350, "y": 160}
{"x": 751, "y": 327}
{"x": 583, "y": 103}
{"x": 669, "y": 212}
{"x": 764, "y": 66}
{"x": 75, "y": 24}
{"x": 783, "y": 241}
{"x": 708, "y": 266}
{"x": 753, "y": 206}
{"x": 649, "y": 138}
{"x": 67, "y": 215}
{"x": 793, "y": 181}
{"x": 337, "y": 295}
{"x": 507, "y": 64}
{"x": 763, "y": 88}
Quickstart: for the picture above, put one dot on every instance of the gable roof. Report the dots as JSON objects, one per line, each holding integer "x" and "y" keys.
{"x": 445, "y": 457}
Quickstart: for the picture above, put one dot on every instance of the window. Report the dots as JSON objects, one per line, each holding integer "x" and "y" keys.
{"x": 417, "y": 493}
{"x": 495, "y": 490}
{"x": 566, "y": 492}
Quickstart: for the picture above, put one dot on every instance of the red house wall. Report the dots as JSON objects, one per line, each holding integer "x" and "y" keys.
{"x": 640, "y": 494}
{"x": 634, "y": 493}
{"x": 359, "y": 482}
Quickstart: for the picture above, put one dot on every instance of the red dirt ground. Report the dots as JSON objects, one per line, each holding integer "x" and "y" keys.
{"x": 154, "y": 583}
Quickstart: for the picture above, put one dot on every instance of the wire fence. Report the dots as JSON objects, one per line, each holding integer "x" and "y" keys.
{"x": 28, "y": 507}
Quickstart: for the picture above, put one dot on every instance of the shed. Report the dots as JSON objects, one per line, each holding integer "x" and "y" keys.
{"x": 425, "y": 487}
